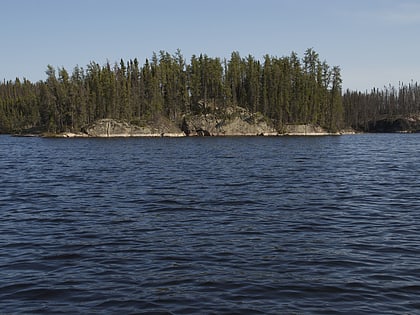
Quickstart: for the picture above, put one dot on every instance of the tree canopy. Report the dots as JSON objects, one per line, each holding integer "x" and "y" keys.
{"x": 366, "y": 108}
{"x": 287, "y": 90}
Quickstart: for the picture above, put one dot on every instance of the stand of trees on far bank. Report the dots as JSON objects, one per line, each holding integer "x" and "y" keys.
{"x": 362, "y": 109}
{"x": 286, "y": 90}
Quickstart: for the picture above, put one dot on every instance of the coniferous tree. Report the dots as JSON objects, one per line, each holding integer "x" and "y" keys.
{"x": 287, "y": 90}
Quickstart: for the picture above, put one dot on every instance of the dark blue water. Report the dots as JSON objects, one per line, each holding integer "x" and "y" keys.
{"x": 313, "y": 225}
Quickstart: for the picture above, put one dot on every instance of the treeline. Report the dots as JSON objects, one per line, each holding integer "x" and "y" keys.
{"x": 364, "y": 109}
{"x": 284, "y": 89}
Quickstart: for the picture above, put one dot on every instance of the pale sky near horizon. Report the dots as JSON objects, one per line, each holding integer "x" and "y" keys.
{"x": 375, "y": 42}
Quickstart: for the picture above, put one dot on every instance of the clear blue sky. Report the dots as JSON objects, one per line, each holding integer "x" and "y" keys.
{"x": 375, "y": 42}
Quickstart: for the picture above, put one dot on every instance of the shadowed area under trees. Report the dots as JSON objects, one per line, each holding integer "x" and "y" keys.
{"x": 286, "y": 90}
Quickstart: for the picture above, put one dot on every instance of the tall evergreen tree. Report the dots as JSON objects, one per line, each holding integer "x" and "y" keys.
{"x": 286, "y": 90}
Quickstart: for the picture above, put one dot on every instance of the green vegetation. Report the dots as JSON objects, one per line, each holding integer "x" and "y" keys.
{"x": 363, "y": 110}
{"x": 286, "y": 90}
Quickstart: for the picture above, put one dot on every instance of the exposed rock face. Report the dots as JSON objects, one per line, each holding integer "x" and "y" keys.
{"x": 241, "y": 123}
{"x": 305, "y": 130}
{"x": 114, "y": 128}
{"x": 235, "y": 121}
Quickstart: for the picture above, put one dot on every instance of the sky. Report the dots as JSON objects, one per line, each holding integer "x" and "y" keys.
{"x": 375, "y": 42}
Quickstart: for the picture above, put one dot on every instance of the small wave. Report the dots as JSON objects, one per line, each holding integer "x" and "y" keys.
{"x": 63, "y": 256}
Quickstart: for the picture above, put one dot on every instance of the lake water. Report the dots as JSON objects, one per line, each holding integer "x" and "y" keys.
{"x": 283, "y": 225}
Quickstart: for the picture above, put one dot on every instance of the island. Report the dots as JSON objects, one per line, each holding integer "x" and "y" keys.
{"x": 207, "y": 96}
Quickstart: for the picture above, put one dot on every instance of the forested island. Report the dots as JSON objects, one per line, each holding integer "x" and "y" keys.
{"x": 166, "y": 91}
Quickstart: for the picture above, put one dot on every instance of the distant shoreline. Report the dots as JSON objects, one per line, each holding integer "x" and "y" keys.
{"x": 289, "y": 131}
{"x": 211, "y": 126}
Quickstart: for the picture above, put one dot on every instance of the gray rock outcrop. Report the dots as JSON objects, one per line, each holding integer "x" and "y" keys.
{"x": 305, "y": 130}
{"x": 236, "y": 123}
{"x": 115, "y": 128}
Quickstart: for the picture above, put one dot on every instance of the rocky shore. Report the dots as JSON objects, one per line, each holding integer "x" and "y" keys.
{"x": 106, "y": 128}
{"x": 109, "y": 128}
{"x": 237, "y": 123}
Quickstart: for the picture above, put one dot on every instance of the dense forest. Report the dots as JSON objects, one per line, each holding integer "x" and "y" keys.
{"x": 286, "y": 90}
{"x": 362, "y": 110}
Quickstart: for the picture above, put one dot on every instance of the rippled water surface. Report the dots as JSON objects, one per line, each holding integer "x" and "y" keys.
{"x": 310, "y": 225}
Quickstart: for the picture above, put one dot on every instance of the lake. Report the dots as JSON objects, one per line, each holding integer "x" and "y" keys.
{"x": 259, "y": 225}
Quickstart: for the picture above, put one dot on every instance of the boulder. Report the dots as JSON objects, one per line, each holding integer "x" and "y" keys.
{"x": 235, "y": 123}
